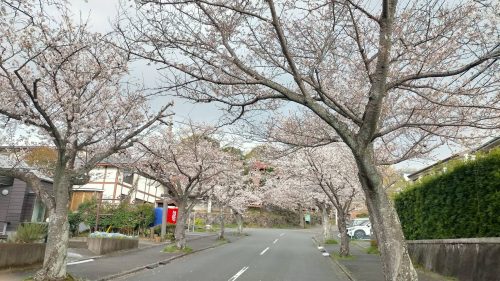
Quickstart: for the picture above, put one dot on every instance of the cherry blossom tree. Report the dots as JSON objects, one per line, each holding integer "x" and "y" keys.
{"x": 66, "y": 85}
{"x": 233, "y": 190}
{"x": 334, "y": 170}
{"x": 325, "y": 176}
{"x": 390, "y": 79}
{"x": 286, "y": 187}
{"x": 188, "y": 163}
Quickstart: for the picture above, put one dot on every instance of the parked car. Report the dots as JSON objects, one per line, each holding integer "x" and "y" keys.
{"x": 356, "y": 222}
{"x": 360, "y": 228}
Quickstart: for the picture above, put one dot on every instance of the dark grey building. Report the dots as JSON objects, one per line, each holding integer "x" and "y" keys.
{"x": 18, "y": 203}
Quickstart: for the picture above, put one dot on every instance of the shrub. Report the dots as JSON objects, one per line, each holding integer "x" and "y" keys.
{"x": 74, "y": 219}
{"x": 170, "y": 229}
{"x": 169, "y": 236}
{"x": 199, "y": 222}
{"x": 463, "y": 202}
{"x": 124, "y": 217}
{"x": 30, "y": 232}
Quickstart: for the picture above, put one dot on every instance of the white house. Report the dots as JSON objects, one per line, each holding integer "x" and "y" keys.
{"x": 113, "y": 184}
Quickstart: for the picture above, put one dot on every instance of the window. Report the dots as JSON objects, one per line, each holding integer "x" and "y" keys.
{"x": 128, "y": 177}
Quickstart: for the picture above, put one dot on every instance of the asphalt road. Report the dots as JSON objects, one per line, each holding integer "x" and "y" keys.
{"x": 265, "y": 255}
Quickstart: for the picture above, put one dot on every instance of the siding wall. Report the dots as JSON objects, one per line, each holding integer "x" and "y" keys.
{"x": 14, "y": 204}
{"x": 17, "y": 206}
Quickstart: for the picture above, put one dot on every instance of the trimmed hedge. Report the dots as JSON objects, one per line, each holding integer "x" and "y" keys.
{"x": 463, "y": 202}
{"x": 123, "y": 217}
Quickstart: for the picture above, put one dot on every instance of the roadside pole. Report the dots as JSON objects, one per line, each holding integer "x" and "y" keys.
{"x": 164, "y": 217}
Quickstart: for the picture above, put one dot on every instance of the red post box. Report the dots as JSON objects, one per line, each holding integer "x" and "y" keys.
{"x": 172, "y": 213}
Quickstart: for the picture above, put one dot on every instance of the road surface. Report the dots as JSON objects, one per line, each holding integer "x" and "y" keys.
{"x": 266, "y": 254}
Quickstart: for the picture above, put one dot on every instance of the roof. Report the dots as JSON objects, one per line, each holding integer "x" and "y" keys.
{"x": 483, "y": 148}
{"x": 9, "y": 163}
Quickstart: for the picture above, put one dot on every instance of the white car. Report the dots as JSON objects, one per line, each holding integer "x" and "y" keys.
{"x": 359, "y": 229}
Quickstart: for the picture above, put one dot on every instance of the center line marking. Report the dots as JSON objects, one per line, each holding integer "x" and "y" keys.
{"x": 265, "y": 250}
{"x": 238, "y": 274}
{"x": 78, "y": 262}
{"x": 275, "y": 241}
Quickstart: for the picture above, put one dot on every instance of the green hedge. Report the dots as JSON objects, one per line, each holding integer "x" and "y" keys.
{"x": 123, "y": 217}
{"x": 464, "y": 202}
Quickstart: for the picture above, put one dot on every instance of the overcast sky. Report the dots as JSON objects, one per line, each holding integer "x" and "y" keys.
{"x": 101, "y": 12}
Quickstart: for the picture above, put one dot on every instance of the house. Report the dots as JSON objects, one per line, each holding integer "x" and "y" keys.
{"x": 111, "y": 183}
{"x": 465, "y": 155}
{"x": 18, "y": 202}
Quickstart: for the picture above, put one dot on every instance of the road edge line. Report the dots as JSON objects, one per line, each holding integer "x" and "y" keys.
{"x": 337, "y": 263}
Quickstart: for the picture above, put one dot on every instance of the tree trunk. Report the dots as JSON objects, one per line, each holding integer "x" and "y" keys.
{"x": 344, "y": 238}
{"x": 396, "y": 261}
{"x": 222, "y": 225}
{"x": 180, "y": 232}
{"x": 327, "y": 227}
{"x": 54, "y": 264}
{"x": 239, "y": 222}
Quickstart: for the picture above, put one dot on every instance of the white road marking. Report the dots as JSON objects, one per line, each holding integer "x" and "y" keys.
{"x": 275, "y": 241}
{"x": 238, "y": 274}
{"x": 78, "y": 262}
{"x": 264, "y": 251}
{"x": 282, "y": 234}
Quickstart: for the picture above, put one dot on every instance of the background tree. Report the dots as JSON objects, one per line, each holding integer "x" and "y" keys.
{"x": 334, "y": 171}
{"x": 44, "y": 158}
{"x": 187, "y": 164}
{"x": 66, "y": 85}
{"x": 392, "y": 81}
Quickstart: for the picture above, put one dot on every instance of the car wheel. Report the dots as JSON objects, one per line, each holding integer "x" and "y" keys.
{"x": 358, "y": 234}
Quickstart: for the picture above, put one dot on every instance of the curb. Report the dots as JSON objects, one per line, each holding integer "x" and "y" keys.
{"x": 336, "y": 262}
{"x": 156, "y": 264}
{"x": 137, "y": 249}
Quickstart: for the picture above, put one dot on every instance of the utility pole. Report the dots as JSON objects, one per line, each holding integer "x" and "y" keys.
{"x": 164, "y": 217}
{"x": 164, "y": 195}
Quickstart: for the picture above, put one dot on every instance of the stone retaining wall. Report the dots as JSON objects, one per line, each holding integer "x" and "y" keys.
{"x": 103, "y": 246}
{"x": 17, "y": 254}
{"x": 465, "y": 259}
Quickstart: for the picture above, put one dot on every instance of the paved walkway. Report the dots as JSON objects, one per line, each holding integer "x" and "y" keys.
{"x": 368, "y": 267}
{"x": 119, "y": 263}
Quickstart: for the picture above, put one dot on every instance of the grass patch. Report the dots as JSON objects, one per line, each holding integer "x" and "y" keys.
{"x": 337, "y": 256}
{"x": 173, "y": 249}
{"x": 331, "y": 242}
{"x": 170, "y": 249}
{"x": 373, "y": 250}
{"x": 187, "y": 250}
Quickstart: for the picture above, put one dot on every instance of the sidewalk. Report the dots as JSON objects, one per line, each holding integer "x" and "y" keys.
{"x": 367, "y": 267}
{"x": 125, "y": 262}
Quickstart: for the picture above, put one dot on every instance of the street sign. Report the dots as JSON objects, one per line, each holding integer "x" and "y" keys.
{"x": 172, "y": 213}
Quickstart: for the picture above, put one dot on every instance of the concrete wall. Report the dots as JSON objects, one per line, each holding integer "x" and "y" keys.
{"x": 465, "y": 259}
{"x": 103, "y": 246}
{"x": 15, "y": 255}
